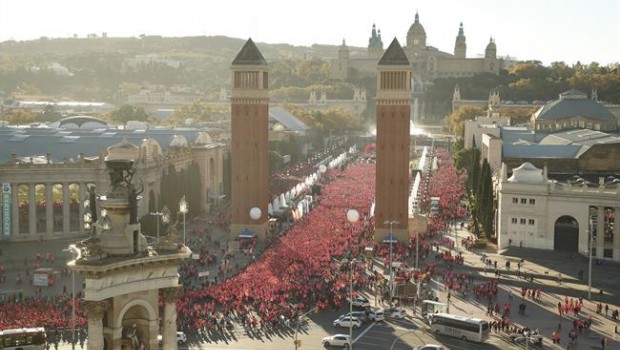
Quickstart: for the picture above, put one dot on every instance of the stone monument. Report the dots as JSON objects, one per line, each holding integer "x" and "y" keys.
{"x": 126, "y": 273}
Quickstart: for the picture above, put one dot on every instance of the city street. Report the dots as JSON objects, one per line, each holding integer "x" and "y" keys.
{"x": 412, "y": 331}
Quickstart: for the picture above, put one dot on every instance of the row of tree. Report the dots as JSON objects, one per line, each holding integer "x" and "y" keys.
{"x": 174, "y": 185}
{"x": 528, "y": 81}
{"x": 479, "y": 188}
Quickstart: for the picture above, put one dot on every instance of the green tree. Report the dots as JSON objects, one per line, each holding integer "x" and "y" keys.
{"x": 128, "y": 113}
{"x": 200, "y": 112}
{"x": 456, "y": 118}
{"x": 22, "y": 117}
{"x": 517, "y": 115}
{"x": 484, "y": 199}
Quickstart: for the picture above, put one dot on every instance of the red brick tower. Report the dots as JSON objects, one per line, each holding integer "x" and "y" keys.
{"x": 249, "y": 98}
{"x": 393, "y": 118}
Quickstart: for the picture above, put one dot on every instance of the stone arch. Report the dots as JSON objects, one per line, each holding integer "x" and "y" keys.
{"x": 566, "y": 234}
{"x": 141, "y": 313}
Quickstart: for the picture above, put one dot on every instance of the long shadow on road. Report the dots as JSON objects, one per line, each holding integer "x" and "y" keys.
{"x": 543, "y": 315}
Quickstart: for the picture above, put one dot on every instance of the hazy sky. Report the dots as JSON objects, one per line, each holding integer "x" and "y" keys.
{"x": 547, "y": 30}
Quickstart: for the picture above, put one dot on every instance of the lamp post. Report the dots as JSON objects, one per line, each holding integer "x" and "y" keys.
{"x": 158, "y": 214}
{"x": 350, "y": 262}
{"x": 73, "y": 249}
{"x": 590, "y": 244}
{"x": 299, "y": 317}
{"x": 183, "y": 209}
{"x": 391, "y": 241}
{"x": 88, "y": 218}
{"x": 417, "y": 268}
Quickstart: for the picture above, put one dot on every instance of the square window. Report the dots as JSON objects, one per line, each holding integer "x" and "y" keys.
{"x": 530, "y": 221}
{"x": 523, "y": 200}
{"x": 513, "y": 220}
{"x": 522, "y": 221}
{"x": 515, "y": 200}
{"x": 532, "y": 201}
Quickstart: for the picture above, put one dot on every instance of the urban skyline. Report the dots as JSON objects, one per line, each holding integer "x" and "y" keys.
{"x": 548, "y": 31}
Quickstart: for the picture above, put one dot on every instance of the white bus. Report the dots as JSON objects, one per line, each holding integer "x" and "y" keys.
{"x": 23, "y": 339}
{"x": 465, "y": 328}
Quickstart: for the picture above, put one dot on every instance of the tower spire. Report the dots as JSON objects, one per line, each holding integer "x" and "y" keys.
{"x": 460, "y": 45}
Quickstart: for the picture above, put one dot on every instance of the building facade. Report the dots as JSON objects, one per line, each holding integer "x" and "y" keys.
{"x": 43, "y": 196}
{"x": 536, "y": 212}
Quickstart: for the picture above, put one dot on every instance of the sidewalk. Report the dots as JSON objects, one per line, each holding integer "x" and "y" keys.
{"x": 544, "y": 266}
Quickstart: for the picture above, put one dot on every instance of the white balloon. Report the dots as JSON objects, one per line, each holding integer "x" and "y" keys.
{"x": 353, "y": 215}
{"x": 255, "y": 213}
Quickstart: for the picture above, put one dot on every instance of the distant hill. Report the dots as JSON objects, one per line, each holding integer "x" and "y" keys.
{"x": 209, "y": 45}
{"x": 95, "y": 67}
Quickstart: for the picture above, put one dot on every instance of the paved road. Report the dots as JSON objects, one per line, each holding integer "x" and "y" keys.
{"x": 544, "y": 266}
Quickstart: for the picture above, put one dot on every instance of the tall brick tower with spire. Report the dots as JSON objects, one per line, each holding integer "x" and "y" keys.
{"x": 249, "y": 98}
{"x": 393, "y": 122}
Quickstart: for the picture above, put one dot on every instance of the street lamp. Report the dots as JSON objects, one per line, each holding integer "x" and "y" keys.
{"x": 104, "y": 221}
{"x": 299, "y": 318}
{"x": 158, "y": 214}
{"x": 350, "y": 262}
{"x": 73, "y": 249}
{"x": 590, "y": 244}
{"x": 417, "y": 267}
{"x": 391, "y": 241}
{"x": 183, "y": 209}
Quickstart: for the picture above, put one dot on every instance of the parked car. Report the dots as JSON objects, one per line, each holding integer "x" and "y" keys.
{"x": 397, "y": 312}
{"x": 347, "y": 321}
{"x": 336, "y": 340}
{"x": 376, "y": 315}
{"x": 361, "y": 302}
{"x": 534, "y": 339}
{"x": 181, "y": 338}
{"x": 428, "y": 347}
{"x": 359, "y": 314}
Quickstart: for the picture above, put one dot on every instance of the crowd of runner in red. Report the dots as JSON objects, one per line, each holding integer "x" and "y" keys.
{"x": 298, "y": 271}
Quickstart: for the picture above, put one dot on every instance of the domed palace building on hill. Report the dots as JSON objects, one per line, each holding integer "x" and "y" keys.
{"x": 427, "y": 62}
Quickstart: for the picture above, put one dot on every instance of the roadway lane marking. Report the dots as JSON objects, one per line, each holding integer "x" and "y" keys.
{"x": 364, "y": 332}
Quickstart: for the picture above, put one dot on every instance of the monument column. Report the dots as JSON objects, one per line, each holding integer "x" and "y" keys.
{"x": 393, "y": 124}
{"x": 249, "y": 110}
{"x": 95, "y": 311}
{"x": 169, "y": 332}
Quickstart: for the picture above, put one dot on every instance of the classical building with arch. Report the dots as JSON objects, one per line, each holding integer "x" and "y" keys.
{"x": 46, "y": 173}
{"x": 537, "y": 212}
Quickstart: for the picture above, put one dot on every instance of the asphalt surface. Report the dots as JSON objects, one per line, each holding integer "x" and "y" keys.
{"x": 544, "y": 266}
